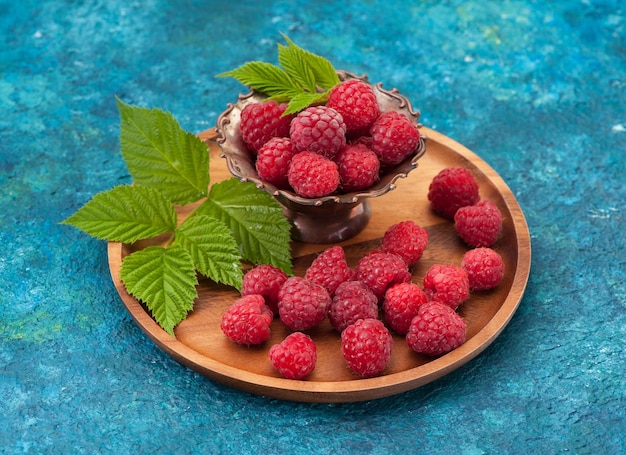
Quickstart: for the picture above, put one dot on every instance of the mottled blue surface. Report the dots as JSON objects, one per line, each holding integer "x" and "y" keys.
{"x": 537, "y": 89}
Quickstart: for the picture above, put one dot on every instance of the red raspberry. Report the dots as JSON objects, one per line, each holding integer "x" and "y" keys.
{"x": 353, "y": 300}
{"x": 394, "y": 137}
{"x": 262, "y": 121}
{"x": 484, "y": 267}
{"x": 247, "y": 320}
{"x": 366, "y": 347}
{"x": 447, "y": 284}
{"x": 407, "y": 240}
{"x": 480, "y": 224}
{"x": 318, "y": 129}
{"x": 401, "y": 304}
{"x": 302, "y": 304}
{"x": 330, "y": 269}
{"x": 295, "y": 356}
{"x": 451, "y": 189}
{"x": 273, "y": 159}
{"x": 380, "y": 270}
{"x": 356, "y": 102}
{"x": 358, "y": 167}
{"x": 312, "y": 175}
{"x": 265, "y": 280}
{"x": 437, "y": 329}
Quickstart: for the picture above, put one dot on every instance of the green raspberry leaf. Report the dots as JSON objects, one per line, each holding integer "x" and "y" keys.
{"x": 298, "y": 61}
{"x": 304, "y": 100}
{"x": 165, "y": 280}
{"x": 297, "y": 67}
{"x": 302, "y": 79}
{"x": 213, "y": 249}
{"x": 265, "y": 78}
{"x": 125, "y": 214}
{"x": 160, "y": 154}
{"x": 255, "y": 219}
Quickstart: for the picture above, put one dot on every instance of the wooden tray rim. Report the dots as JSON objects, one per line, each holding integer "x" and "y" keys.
{"x": 357, "y": 389}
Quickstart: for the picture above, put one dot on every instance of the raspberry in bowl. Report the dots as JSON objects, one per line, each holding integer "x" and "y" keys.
{"x": 322, "y": 199}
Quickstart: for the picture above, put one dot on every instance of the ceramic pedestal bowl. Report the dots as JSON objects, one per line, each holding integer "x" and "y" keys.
{"x": 329, "y": 219}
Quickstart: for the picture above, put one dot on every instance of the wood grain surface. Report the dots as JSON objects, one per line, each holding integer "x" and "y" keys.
{"x": 200, "y": 344}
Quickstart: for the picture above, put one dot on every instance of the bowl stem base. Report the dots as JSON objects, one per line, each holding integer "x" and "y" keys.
{"x": 314, "y": 228}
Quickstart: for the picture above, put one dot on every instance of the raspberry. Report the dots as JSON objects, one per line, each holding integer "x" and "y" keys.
{"x": 262, "y": 121}
{"x": 318, "y": 129}
{"x": 356, "y": 102}
{"x": 479, "y": 225}
{"x": 247, "y": 320}
{"x": 437, "y": 329}
{"x": 484, "y": 267}
{"x": 312, "y": 175}
{"x": 401, "y": 304}
{"x": 447, "y": 284}
{"x": 330, "y": 269}
{"x": 451, "y": 189}
{"x": 394, "y": 137}
{"x": 407, "y": 240}
{"x": 380, "y": 270}
{"x": 353, "y": 300}
{"x": 358, "y": 167}
{"x": 273, "y": 159}
{"x": 302, "y": 304}
{"x": 295, "y": 356}
{"x": 265, "y": 280}
{"x": 366, "y": 347}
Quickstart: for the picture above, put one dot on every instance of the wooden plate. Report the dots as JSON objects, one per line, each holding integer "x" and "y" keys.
{"x": 200, "y": 344}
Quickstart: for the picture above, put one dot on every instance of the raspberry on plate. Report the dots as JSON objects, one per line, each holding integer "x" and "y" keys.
{"x": 447, "y": 284}
{"x": 484, "y": 267}
{"x": 394, "y": 137}
{"x": 451, "y": 189}
{"x": 380, "y": 270}
{"x": 262, "y": 121}
{"x": 294, "y": 357}
{"x": 302, "y": 304}
{"x": 356, "y": 102}
{"x": 265, "y": 280}
{"x": 437, "y": 329}
{"x": 366, "y": 347}
{"x": 407, "y": 240}
{"x": 352, "y": 301}
{"x": 318, "y": 129}
{"x": 330, "y": 269}
{"x": 479, "y": 225}
{"x": 358, "y": 167}
{"x": 247, "y": 320}
{"x": 312, "y": 175}
{"x": 273, "y": 159}
{"x": 402, "y": 301}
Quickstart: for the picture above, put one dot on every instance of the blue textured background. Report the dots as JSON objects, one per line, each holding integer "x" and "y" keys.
{"x": 537, "y": 90}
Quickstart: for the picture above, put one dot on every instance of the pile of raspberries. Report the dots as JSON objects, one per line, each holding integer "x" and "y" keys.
{"x": 339, "y": 147}
{"x": 378, "y": 297}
